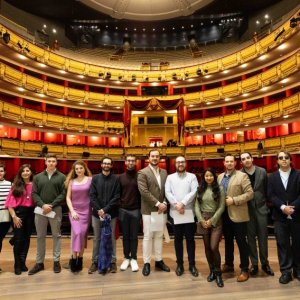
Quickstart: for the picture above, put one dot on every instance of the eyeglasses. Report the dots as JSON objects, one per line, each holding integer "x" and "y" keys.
{"x": 283, "y": 157}
{"x": 180, "y": 162}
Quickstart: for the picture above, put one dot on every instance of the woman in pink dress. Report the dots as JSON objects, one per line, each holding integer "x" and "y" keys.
{"x": 78, "y": 185}
{"x": 21, "y": 206}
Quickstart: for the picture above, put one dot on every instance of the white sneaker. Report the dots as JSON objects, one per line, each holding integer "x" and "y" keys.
{"x": 125, "y": 264}
{"x": 134, "y": 265}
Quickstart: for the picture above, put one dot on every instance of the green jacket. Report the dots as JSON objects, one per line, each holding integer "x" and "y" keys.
{"x": 48, "y": 191}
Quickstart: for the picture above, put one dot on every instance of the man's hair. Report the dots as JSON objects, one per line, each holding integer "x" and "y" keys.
{"x": 286, "y": 153}
{"x": 228, "y": 154}
{"x": 50, "y": 155}
{"x": 152, "y": 150}
{"x": 246, "y": 153}
{"x": 107, "y": 157}
{"x": 129, "y": 155}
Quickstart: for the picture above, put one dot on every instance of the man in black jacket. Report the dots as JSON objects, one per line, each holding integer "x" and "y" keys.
{"x": 284, "y": 192}
{"x": 104, "y": 197}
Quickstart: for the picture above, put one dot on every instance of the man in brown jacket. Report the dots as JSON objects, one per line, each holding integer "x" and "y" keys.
{"x": 151, "y": 183}
{"x": 238, "y": 190}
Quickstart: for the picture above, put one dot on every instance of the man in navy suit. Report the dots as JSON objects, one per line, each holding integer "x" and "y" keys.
{"x": 284, "y": 192}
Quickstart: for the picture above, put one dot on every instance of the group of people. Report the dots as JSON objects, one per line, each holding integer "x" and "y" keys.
{"x": 233, "y": 204}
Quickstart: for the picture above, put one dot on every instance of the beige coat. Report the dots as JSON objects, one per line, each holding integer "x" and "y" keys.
{"x": 149, "y": 189}
{"x": 239, "y": 188}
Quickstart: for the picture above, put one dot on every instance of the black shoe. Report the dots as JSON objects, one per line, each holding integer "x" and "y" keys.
{"x": 285, "y": 278}
{"x": 219, "y": 279}
{"x": 73, "y": 265}
{"x": 160, "y": 265}
{"x": 267, "y": 270}
{"x": 93, "y": 268}
{"x": 37, "y": 268}
{"x": 146, "y": 269}
{"x": 194, "y": 271}
{"x": 113, "y": 267}
{"x": 18, "y": 271}
{"x": 227, "y": 268}
{"x": 211, "y": 277}
{"x": 56, "y": 267}
{"x": 254, "y": 270}
{"x": 79, "y": 264}
{"x": 179, "y": 270}
{"x": 24, "y": 268}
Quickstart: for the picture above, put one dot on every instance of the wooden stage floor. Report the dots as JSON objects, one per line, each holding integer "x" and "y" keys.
{"x": 130, "y": 285}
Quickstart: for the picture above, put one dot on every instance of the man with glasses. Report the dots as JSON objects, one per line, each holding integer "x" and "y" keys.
{"x": 104, "y": 197}
{"x": 130, "y": 213}
{"x": 238, "y": 190}
{"x": 258, "y": 211}
{"x": 284, "y": 192}
{"x": 151, "y": 184}
{"x": 181, "y": 189}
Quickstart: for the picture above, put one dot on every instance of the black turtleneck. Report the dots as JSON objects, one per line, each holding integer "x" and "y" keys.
{"x": 130, "y": 196}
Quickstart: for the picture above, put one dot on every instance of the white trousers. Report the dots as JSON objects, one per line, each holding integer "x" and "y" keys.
{"x": 152, "y": 241}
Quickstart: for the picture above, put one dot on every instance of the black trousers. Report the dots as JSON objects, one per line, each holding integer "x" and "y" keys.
{"x": 22, "y": 235}
{"x": 4, "y": 227}
{"x": 188, "y": 231}
{"x": 130, "y": 225}
{"x": 288, "y": 245}
{"x": 238, "y": 231}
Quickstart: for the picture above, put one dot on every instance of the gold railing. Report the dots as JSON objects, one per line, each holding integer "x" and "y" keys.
{"x": 270, "y": 146}
{"x": 66, "y": 63}
{"x": 29, "y": 116}
{"x": 276, "y": 73}
{"x": 256, "y": 115}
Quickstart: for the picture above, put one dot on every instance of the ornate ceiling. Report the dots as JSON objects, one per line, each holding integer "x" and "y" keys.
{"x": 146, "y": 10}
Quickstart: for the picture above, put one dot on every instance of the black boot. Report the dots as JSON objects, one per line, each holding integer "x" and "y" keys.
{"x": 73, "y": 264}
{"x": 219, "y": 279}
{"x": 211, "y": 277}
{"x": 79, "y": 264}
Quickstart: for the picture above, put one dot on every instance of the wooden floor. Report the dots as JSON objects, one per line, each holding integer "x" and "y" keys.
{"x": 130, "y": 285}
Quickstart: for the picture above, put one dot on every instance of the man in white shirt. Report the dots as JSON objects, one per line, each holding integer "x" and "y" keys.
{"x": 284, "y": 192}
{"x": 181, "y": 189}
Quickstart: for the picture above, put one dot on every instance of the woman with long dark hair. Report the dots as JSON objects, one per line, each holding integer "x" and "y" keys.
{"x": 21, "y": 206}
{"x": 209, "y": 207}
{"x": 78, "y": 184}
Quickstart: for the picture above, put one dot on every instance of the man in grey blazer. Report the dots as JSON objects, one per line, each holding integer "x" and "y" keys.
{"x": 238, "y": 192}
{"x": 258, "y": 211}
{"x": 151, "y": 183}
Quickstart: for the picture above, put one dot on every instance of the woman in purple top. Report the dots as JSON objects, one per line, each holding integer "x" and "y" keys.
{"x": 21, "y": 206}
{"x": 78, "y": 184}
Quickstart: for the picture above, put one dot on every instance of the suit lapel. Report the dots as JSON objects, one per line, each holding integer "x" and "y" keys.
{"x": 291, "y": 179}
{"x": 154, "y": 177}
{"x": 258, "y": 174}
{"x": 280, "y": 181}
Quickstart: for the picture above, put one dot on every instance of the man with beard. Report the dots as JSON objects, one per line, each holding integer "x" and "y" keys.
{"x": 104, "y": 197}
{"x": 258, "y": 211}
{"x": 151, "y": 184}
{"x": 130, "y": 213}
{"x": 284, "y": 192}
{"x": 238, "y": 191}
{"x": 181, "y": 189}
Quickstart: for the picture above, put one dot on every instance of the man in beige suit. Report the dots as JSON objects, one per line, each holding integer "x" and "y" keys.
{"x": 151, "y": 183}
{"x": 237, "y": 187}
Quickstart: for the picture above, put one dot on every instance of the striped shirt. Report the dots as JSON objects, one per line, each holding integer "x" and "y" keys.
{"x": 4, "y": 190}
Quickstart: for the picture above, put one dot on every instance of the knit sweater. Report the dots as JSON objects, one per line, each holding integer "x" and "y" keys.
{"x": 130, "y": 194}
{"x": 48, "y": 191}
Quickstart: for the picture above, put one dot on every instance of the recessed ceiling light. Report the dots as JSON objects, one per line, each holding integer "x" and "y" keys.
{"x": 282, "y": 46}
{"x": 62, "y": 71}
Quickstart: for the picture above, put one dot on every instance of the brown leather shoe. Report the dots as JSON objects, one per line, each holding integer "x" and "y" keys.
{"x": 244, "y": 276}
